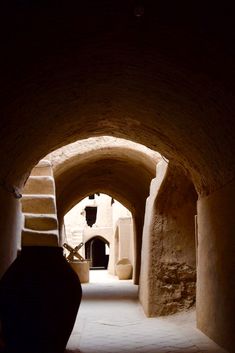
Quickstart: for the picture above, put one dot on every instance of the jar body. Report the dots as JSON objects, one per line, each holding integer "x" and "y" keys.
{"x": 124, "y": 268}
{"x": 39, "y": 298}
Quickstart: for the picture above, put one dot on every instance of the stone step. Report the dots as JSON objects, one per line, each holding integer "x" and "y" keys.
{"x": 42, "y": 168}
{"x": 40, "y": 222}
{"x": 37, "y": 238}
{"x": 39, "y": 185}
{"x": 38, "y": 204}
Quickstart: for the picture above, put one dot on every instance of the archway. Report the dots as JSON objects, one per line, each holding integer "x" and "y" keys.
{"x": 163, "y": 80}
{"x": 111, "y": 216}
{"x": 95, "y": 250}
{"x": 118, "y": 168}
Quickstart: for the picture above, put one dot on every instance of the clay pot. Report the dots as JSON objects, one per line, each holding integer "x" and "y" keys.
{"x": 39, "y": 298}
{"x": 82, "y": 269}
{"x": 124, "y": 268}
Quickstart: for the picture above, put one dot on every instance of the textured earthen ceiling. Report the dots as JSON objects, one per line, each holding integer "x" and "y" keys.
{"x": 122, "y": 173}
{"x": 91, "y": 68}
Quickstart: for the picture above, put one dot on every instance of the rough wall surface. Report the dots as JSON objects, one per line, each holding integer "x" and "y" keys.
{"x": 67, "y": 155}
{"x": 172, "y": 258}
{"x": 174, "y": 288}
{"x": 146, "y": 261}
{"x": 173, "y": 251}
{"x": 93, "y": 68}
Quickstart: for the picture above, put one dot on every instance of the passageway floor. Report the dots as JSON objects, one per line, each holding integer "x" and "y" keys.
{"x": 111, "y": 320}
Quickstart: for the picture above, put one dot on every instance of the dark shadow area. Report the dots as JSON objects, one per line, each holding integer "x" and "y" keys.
{"x": 91, "y": 213}
{"x": 95, "y": 250}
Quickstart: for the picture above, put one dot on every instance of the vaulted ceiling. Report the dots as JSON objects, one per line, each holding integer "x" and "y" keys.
{"x": 90, "y": 68}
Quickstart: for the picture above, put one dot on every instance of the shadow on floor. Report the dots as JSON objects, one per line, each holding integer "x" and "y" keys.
{"x": 109, "y": 292}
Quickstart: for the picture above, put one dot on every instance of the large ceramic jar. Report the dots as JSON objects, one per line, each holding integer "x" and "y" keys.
{"x": 39, "y": 298}
{"x": 82, "y": 269}
{"x": 124, "y": 268}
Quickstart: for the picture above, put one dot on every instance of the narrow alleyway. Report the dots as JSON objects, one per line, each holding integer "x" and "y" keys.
{"x": 111, "y": 320}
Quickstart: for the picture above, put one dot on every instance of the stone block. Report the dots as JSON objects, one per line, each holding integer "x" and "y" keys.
{"x": 38, "y": 204}
{"x": 41, "y": 171}
{"x": 43, "y": 168}
{"x": 34, "y": 238}
{"x": 40, "y": 222}
{"x": 39, "y": 185}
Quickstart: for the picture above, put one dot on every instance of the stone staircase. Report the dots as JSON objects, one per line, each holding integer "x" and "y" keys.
{"x": 40, "y": 226}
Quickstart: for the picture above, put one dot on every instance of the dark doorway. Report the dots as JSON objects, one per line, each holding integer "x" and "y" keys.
{"x": 96, "y": 251}
{"x": 91, "y": 213}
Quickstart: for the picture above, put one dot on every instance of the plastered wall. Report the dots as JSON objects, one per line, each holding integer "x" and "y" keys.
{"x": 113, "y": 223}
{"x": 216, "y": 266}
{"x": 168, "y": 252}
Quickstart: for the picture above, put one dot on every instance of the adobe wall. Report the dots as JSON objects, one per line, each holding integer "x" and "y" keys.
{"x": 216, "y": 266}
{"x": 119, "y": 211}
{"x": 122, "y": 170}
{"x": 77, "y": 229}
{"x": 122, "y": 244}
{"x": 125, "y": 229}
{"x": 169, "y": 249}
{"x": 112, "y": 219}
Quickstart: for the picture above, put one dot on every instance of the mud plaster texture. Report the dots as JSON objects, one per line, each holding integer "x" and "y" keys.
{"x": 93, "y": 68}
{"x": 172, "y": 279}
{"x": 177, "y": 287}
{"x": 121, "y": 169}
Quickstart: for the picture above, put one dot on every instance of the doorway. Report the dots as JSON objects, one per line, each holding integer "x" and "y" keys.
{"x": 97, "y": 251}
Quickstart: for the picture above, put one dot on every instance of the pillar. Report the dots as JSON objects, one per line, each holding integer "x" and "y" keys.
{"x": 216, "y": 266}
